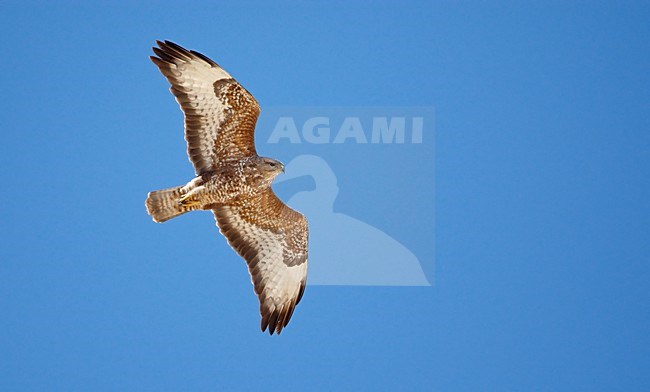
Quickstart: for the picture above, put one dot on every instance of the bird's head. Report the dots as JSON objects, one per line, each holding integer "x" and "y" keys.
{"x": 270, "y": 167}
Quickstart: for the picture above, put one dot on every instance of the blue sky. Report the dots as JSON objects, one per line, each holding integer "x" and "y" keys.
{"x": 536, "y": 241}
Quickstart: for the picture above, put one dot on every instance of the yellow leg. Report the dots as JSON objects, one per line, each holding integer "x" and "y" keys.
{"x": 191, "y": 198}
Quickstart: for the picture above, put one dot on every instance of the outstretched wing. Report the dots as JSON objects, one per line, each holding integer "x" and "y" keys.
{"x": 220, "y": 115}
{"x": 272, "y": 238}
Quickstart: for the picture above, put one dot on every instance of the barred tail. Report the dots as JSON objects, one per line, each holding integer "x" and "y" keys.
{"x": 163, "y": 205}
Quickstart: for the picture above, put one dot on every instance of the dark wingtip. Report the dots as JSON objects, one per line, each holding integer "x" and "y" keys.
{"x": 169, "y": 51}
{"x": 159, "y": 62}
{"x": 264, "y": 323}
{"x": 204, "y": 58}
{"x": 163, "y": 55}
{"x": 273, "y": 321}
{"x": 174, "y": 46}
{"x": 277, "y": 320}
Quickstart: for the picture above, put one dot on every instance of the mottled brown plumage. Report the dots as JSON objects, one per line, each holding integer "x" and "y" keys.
{"x": 233, "y": 181}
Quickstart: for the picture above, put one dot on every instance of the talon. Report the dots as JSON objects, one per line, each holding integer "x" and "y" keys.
{"x": 186, "y": 201}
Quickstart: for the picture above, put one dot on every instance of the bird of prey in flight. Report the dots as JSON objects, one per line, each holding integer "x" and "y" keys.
{"x": 233, "y": 181}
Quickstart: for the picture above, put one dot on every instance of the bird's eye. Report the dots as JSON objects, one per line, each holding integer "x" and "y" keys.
{"x": 272, "y": 164}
